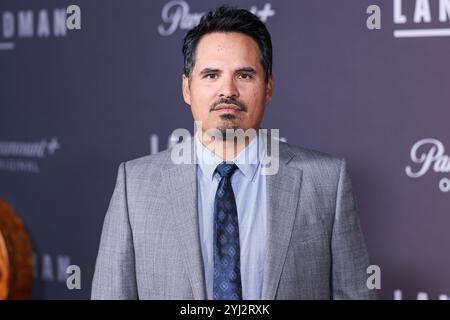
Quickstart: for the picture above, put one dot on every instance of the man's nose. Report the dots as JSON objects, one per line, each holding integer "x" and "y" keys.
{"x": 228, "y": 88}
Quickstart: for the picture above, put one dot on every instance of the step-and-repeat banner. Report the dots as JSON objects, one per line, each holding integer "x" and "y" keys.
{"x": 85, "y": 85}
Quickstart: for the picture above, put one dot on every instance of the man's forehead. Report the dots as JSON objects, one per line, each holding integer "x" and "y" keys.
{"x": 220, "y": 43}
{"x": 227, "y": 50}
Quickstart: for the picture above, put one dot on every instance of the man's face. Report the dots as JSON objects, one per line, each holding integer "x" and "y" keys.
{"x": 227, "y": 88}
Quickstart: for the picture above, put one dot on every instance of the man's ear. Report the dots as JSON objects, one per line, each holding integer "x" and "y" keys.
{"x": 186, "y": 90}
{"x": 269, "y": 89}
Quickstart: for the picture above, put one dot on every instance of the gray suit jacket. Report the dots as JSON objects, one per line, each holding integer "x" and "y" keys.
{"x": 150, "y": 245}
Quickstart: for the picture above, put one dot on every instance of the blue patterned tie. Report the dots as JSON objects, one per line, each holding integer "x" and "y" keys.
{"x": 227, "y": 269}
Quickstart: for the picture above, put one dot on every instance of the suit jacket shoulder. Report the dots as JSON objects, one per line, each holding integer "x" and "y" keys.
{"x": 317, "y": 166}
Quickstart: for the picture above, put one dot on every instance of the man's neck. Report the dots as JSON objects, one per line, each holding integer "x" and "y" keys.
{"x": 226, "y": 149}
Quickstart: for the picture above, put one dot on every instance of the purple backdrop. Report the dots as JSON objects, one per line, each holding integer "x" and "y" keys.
{"x": 76, "y": 103}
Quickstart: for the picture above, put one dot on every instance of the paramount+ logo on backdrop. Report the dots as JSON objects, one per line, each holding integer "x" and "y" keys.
{"x": 17, "y": 26}
{"x": 20, "y": 156}
{"x": 429, "y": 155}
{"x": 176, "y": 15}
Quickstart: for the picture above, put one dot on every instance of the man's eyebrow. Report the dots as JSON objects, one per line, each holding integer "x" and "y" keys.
{"x": 209, "y": 70}
{"x": 240, "y": 70}
{"x": 246, "y": 69}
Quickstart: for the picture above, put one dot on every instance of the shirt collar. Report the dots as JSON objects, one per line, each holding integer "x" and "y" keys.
{"x": 248, "y": 159}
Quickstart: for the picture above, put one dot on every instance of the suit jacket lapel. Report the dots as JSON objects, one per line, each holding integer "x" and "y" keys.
{"x": 182, "y": 200}
{"x": 283, "y": 191}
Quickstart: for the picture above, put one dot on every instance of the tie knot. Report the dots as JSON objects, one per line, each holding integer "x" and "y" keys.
{"x": 226, "y": 169}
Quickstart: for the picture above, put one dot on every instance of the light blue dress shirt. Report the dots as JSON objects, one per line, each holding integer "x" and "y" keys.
{"x": 249, "y": 187}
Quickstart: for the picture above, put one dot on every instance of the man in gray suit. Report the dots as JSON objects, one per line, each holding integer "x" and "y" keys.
{"x": 220, "y": 226}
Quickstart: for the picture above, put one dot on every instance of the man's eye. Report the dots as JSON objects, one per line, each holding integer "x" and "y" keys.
{"x": 245, "y": 76}
{"x": 211, "y": 76}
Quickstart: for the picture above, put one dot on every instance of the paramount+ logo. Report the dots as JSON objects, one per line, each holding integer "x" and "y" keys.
{"x": 429, "y": 155}
{"x": 25, "y": 24}
{"x": 177, "y": 15}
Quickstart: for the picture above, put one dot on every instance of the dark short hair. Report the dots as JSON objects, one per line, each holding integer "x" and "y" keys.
{"x": 229, "y": 19}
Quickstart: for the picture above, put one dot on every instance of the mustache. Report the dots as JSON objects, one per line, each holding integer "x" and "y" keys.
{"x": 239, "y": 104}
